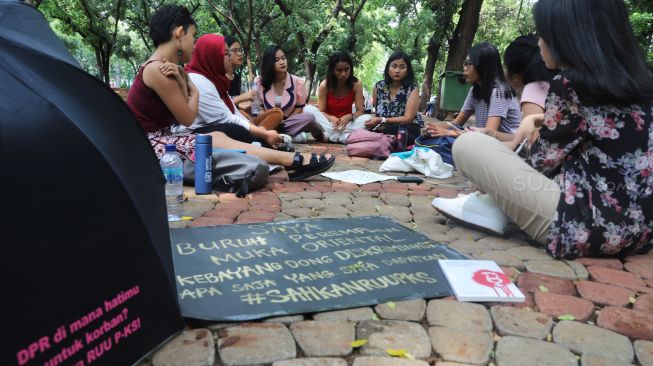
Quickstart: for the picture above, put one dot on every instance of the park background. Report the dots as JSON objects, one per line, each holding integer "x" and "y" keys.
{"x": 110, "y": 38}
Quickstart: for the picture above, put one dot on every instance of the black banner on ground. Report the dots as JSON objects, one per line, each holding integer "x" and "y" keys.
{"x": 251, "y": 271}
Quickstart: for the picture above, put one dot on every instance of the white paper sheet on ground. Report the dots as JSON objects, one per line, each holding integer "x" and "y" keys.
{"x": 358, "y": 176}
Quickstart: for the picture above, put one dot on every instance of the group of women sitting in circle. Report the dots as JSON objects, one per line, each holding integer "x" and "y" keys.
{"x": 581, "y": 98}
{"x": 174, "y": 104}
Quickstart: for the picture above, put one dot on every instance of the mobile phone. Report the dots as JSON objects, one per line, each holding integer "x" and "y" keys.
{"x": 410, "y": 179}
{"x": 521, "y": 146}
{"x": 454, "y": 127}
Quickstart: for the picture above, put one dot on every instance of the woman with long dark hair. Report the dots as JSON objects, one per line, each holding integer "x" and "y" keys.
{"x": 279, "y": 89}
{"x": 527, "y": 74}
{"x": 335, "y": 97}
{"x": 587, "y": 189}
{"x": 396, "y": 99}
{"x": 491, "y": 99}
{"x": 162, "y": 95}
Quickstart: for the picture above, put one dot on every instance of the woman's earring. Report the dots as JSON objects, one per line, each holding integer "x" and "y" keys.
{"x": 180, "y": 52}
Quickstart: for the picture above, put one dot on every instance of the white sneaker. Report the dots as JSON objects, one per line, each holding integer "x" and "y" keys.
{"x": 301, "y": 138}
{"x": 476, "y": 210}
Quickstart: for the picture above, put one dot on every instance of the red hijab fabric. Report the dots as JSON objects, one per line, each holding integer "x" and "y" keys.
{"x": 208, "y": 61}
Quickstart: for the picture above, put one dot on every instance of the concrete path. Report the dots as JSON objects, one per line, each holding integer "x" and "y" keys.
{"x": 588, "y": 312}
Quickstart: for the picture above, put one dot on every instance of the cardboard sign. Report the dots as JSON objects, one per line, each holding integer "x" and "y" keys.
{"x": 251, "y": 271}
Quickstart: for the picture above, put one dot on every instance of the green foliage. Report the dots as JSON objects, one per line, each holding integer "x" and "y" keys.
{"x": 113, "y": 34}
{"x": 501, "y": 21}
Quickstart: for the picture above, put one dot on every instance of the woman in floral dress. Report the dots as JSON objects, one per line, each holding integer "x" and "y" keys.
{"x": 587, "y": 189}
{"x": 396, "y": 99}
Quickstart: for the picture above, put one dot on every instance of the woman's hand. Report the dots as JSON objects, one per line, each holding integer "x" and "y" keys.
{"x": 530, "y": 127}
{"x": 342, "y": 123}
{"x": 169, "y": 69}
{"x": 437, "y": 130}
{"x": 272, "y": 138}
{"x": 370, "y": 124}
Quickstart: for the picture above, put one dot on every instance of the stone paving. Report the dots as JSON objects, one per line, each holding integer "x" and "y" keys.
{"x": 587, "y": 312}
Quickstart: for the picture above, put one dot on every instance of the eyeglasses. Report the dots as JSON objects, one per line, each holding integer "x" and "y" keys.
{"x": 467, "y": 63}
{"x": 239, "y": 51}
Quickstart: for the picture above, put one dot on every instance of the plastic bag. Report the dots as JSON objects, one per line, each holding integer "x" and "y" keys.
{"x": 421, "y": 159}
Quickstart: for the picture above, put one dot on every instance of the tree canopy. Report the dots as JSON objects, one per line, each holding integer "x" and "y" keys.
{"x": 110, "y": 36}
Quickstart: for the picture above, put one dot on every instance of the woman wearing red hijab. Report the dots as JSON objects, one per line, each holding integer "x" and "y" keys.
{"x": 207, "y": 69}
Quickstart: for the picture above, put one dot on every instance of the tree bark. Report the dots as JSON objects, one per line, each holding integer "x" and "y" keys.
{"x": 427, "y": 86}
{"x": 464, "y": 33}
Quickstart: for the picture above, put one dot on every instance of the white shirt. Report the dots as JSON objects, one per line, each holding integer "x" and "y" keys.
{"x": 212, "y": 109}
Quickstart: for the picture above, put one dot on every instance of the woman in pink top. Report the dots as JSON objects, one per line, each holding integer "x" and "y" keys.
{"x": 280, "y": 89}
{"x": 527, "y": 73}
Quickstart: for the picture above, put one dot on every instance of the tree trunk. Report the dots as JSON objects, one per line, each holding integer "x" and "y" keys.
{"x": 464, "y": 33}
{"x": 427, "y": 86}
{"x": 309, "y": 68}
{"x": 103, "y": 57}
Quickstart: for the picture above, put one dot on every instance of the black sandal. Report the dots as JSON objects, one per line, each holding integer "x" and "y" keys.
{"x": 315, "y": 166}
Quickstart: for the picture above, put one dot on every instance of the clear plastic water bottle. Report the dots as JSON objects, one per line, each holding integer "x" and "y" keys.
{"x": 254, "y": 109}
{"x": 173, "y": 171}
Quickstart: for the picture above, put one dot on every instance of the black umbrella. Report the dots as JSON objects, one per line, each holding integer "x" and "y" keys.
{"x": 86, "y": 256}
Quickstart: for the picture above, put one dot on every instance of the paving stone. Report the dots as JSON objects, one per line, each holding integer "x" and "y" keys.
{"x": 468, "y": 246}
{"x": 447, "y": 363}
{"x": 461, "y": 232}
{"x": 589, "y": 359}
{"x": 643, "y": 269}
{"x": 502, "y": 257}
{"x": 338, "y": 198}
{"x": 300, "y": 212}
{"x": 324, "y": 338}
{"x": 386, "y": 361}
{"x": 382, "y": 335}
{"x": 528, "y": 303}
{"x": 354, "y": 315}
{"x": 512, "y": 351}
{"x": 461, "y": 345}
{"x": 409, "y": 310}
{"x": 615, "y": 277}
{"x": 255, "y": 343}
{"x": 579, "y": 270}
{"x": 495, "y": 243}
{"x": 309, "y": 203}
{"x": 210, "y": 221}
{"x": 283, "y": 217}
{"x": 644, "y": 351}
{"x": 603, "y": 294}
{"x": 179, "y": 224}
{"x": 529, "y": 253}
{"x": 510, "y": 321}
{"x": 644, "y": 303}
{"x": 316, "y": 361}
{"x": 585, "y": 338}
{"x": 556, "y": 305}
{"x": 255, "y": 216}
{"x": 398, "y": 213}
{"x": 392, "y": 199}
{"x": 285, "y": 319}
{"x": 191, "y": 348}
{"x": 532, "y": 281}
{"x": 551, "y": 268}
{"x": 632, "y": 323}
{"x": 461, "y": 315}
{"x": 611, "y": 263}
{"x": 649, "y": 283}
{"x": 306, "y": 194}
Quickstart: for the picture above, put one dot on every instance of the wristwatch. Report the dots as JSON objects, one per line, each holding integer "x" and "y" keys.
{"x": 383, "y": 120}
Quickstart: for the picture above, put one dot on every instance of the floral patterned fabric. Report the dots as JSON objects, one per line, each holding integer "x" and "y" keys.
{"x": 387, "y": 107}
{"x": 602, "y": 157}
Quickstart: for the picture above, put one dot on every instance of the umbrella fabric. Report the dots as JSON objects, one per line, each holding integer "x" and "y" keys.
{"x": 85, "y": 234}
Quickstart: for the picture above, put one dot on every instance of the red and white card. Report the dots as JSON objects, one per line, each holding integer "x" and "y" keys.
{"x": 473, "y": 280}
